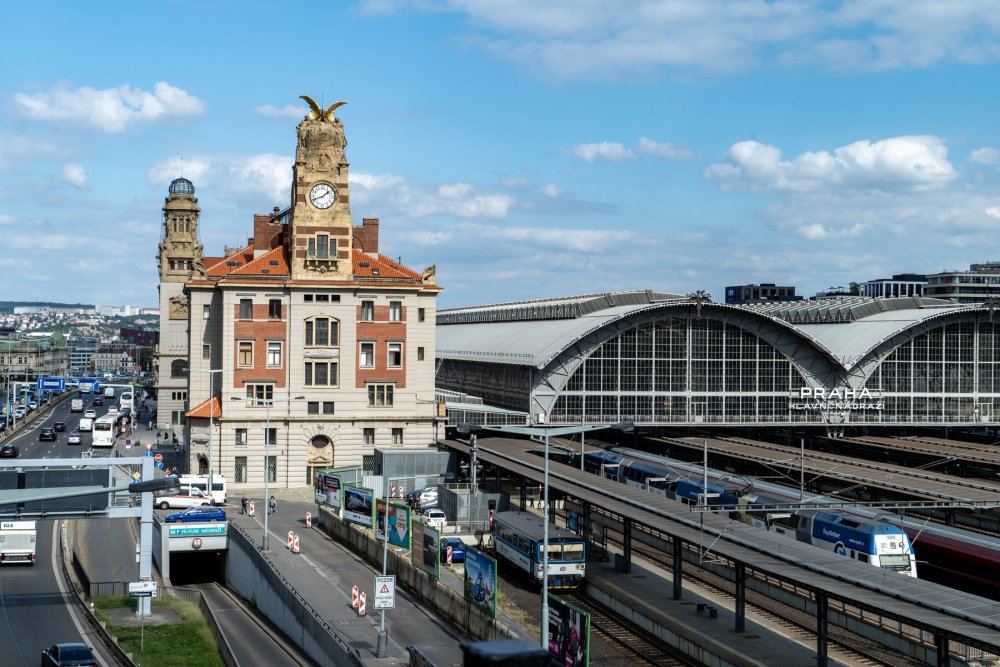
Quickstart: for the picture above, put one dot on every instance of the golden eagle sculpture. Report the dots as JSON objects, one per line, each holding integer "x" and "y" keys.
{"x": 316, "y": 113}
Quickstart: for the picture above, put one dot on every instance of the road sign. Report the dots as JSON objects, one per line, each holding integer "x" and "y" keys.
{"x": 385, "y": 592}
{"x": 137, "y": 475}
{"x": 355, "y": 597}
{"x": 159, "y": 465}
{"x": 141, "y": 589}
{"x": 149, "y": 454}
{"x": 158, "y": 457}
{"x": 362, "y": 604}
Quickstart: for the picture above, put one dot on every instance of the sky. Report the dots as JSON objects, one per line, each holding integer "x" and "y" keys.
{"x": 526, "y": 148}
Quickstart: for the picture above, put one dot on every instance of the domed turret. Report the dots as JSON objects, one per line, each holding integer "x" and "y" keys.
{"x": 182, "y": 186}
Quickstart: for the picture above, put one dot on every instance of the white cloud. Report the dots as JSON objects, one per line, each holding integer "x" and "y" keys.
{"x": 606, "y": 150}
{"x": 6, "y": 219}
{"x": 602, "y": 39}
{"x": 908, "y": 162}
{"x": 665, "y": 150}
{"x": 993, "y": 212}
{"x": 985, "y": 155}
{"x": 287, "y": 111}
{"x": 551, "y": 191}
{"x": 75, "y": 175}
{"x": 110, "y": 110}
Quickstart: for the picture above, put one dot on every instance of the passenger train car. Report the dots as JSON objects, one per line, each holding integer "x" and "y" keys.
{"x": 866, "y": 540}
{"x": 518, "y": 539}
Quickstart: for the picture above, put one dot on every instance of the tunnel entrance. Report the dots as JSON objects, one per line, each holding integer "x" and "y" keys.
{"x": 192, "y": 567}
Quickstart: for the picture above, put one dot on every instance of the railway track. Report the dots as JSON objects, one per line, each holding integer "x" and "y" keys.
{"x": 615, "y": 630}
{"x": 857, "y": 649}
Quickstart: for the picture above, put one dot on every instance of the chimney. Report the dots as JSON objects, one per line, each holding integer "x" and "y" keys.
{"x": 366, "y": 236}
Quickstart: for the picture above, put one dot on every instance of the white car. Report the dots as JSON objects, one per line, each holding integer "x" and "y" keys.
{"x": 90, "y": 414}
{"x": 436, "y": 518}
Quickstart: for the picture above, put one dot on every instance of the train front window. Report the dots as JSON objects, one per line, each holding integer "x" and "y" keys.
{"x": 573, "y": 552}
{"x": 555, "y": 552}
{"x": 898, "y": 562}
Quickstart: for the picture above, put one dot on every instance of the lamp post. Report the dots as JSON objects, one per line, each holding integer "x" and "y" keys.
{"x": 548, "y": 431}
{"x": 265, "y": 542}
{"x": 380, "y": 646}
{"x": 211, "y": 412}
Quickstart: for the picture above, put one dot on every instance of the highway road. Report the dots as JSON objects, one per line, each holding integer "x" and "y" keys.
{"x": 36, "y": 608}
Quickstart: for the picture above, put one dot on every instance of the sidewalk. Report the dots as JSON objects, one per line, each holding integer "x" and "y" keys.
{"x": 324, "y": 572}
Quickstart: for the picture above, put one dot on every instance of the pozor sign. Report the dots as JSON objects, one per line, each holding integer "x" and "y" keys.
{"x": 818, "y": 398}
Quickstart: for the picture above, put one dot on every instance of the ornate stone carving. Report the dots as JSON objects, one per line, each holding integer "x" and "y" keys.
{"x": 179, "y": 307}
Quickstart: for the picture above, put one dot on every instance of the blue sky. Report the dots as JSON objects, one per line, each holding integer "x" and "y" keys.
{"x": 528, "y": 148}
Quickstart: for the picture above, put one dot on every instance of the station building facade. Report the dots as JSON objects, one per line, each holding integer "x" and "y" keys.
{"x": 662, "y": 359}
{"x": 306, "y": 348}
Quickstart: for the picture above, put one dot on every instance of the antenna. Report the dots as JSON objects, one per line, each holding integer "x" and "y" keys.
{"x": 182, "y": 167}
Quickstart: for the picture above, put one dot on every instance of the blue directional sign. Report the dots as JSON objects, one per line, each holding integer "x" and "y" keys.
{"x": 149, "y": 453}
{"x": 159, "y": 464}
{"x": 89, "y": 385}
{"x": 51, "y": 384}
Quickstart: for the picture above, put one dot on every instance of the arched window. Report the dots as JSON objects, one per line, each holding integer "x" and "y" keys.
{"x": 322, "y": 331}
{"x": 179, "y": 368}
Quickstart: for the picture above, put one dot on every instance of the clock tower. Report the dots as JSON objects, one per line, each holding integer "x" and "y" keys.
{"x": 321, "y": 229}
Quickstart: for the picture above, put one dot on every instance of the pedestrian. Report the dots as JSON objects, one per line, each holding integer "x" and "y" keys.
{"x": 243, "y": 505}
{"x": 272, "y": 505}
{"x": 149, "y": 426}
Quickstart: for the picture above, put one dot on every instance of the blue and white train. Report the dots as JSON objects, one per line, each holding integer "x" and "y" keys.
{"x": 866, "y": 540}
{"x": 517, "y": 538}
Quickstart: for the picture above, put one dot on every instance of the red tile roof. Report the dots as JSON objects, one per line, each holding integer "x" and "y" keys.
{"x": 211, "y": 407}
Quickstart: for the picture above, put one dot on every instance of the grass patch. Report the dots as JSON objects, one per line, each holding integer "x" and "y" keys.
{"x": 186, "y": 644}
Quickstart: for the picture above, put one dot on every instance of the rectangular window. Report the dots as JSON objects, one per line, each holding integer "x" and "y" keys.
{"x": 368, "y": 311}
{"x": 420, "y": 314}
{"x": 367, "y": 355}
{"x": 395, "y": 355}
{"x": 397, "y": 436}
{"x": 380, "y": 395}
{"x": 274, "y": 309}
{"x": 323, "y": 298}
{"x": 312, "y": 249}
{"x": 206, "y": 351}
{"x": 274, "y": 353}
{"x": 312, "y": 408}
{"x": 244, "y": 357}
{"x": 241, "y": 470}
{"x": 246, "y": 309}
{"x": 321, "y": 331}
{"x": 327, "y": 407}
{"x": 420, "y": 354}
{"x": 270, "y": 437}
{"x": 260, "y": 395}
{"x": 321, "y": 374}
{"x": 322, "y": 246}
{"x": 369, "y": 436}
{"x": 395, "y": 311}
{"x": 307, "y": 298}
{"x": 271, "y": 465}
{"x": 206, "y": 312}
{"x": 241, "y": 436}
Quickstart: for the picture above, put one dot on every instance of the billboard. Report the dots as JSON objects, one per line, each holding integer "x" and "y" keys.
{"x": 399, "y": 523}
{"x": 425, "y": 554}
{"x": 327, "y": 489}
{"x": 358, "y": 503}
{"x": 568, "y": 637}
{"x": 480, "y": 580}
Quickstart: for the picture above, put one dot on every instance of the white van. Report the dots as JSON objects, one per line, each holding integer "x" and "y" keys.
{"x": 86, "y": 424}
{"x": 109, "y": 392}
{"x": 200, "y": 482}
{"x": 182, "y": 498}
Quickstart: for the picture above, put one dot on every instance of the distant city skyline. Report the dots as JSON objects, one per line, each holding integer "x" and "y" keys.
{"x": 527, "y": 149}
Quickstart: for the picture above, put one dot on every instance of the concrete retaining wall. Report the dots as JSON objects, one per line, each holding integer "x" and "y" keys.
{"x": 253, "y": 577}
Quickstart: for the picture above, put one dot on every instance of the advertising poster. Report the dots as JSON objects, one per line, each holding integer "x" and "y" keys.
{"x": 569, "y": 634}
{"x": 425, "y": 549}
{"x": 480, "y": 580}
{"x": 328, "y": 489}
{"x": 358, "y": 505}
{"x": 399, "y": 523}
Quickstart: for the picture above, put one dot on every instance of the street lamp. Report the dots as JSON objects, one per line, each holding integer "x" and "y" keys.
{"x": 211, "y": 412}
{"x": 380, "y": 646}
{"x": 265, "y": 542}
{"x": 549, "y": 431}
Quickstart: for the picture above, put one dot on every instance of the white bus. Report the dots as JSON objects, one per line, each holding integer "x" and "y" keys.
{"x": 126, "y": 401}
{"x": 219, "y": 487}
{"x": 105, "y": 431}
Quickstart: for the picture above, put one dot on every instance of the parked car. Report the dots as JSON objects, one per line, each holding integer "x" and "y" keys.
{"x": 59, "y": 426}
{"x": 436, "y": 518}
{"x": 9, "y": 452}
{"x": 74, "y": 438}
{"x": 193, "y": 514}
{"x": 90, "y": 414}
{"x": 457, "y": 549}
{"x": 69, "y": 654}
{"x": 47, "y": 434}
{"x": 182, "y": 498}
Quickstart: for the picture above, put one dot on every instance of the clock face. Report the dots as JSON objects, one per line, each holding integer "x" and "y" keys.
{"x": 323, "y": 195}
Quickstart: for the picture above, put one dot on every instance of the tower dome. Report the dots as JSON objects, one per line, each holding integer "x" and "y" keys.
{"x": 182, "y": 186}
